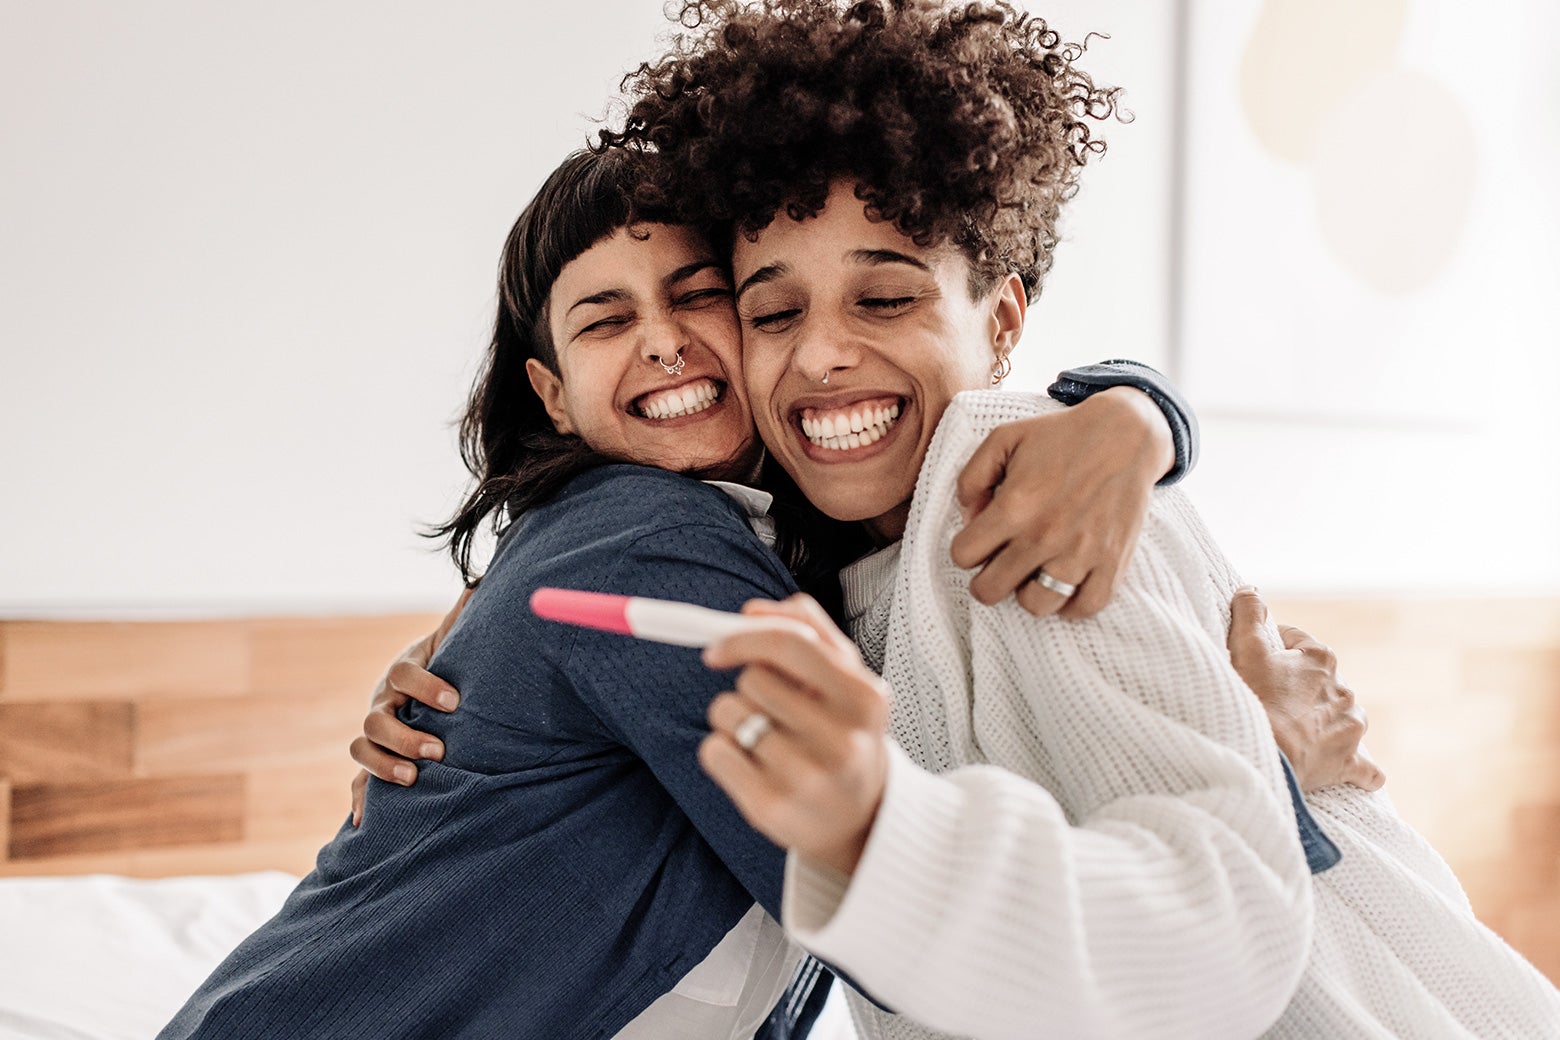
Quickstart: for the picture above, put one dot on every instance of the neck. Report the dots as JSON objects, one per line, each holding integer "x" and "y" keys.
{"x": 741, "y": 470}
{"x": 890, "y": 526}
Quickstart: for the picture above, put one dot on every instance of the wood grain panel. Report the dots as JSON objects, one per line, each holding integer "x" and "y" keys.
{"x": 66, "y": 741}
{"x": 61, "y": 819}
{"x": 244, "y": 734}
{"x": 123, "y": 660}
{"x": 241, "y": 729}
{"x": 290, "y": 804}
{"x": 331, "y": 655}
{"x": 295, "y": 857}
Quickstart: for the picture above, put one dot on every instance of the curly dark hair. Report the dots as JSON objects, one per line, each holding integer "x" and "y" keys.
{"x": 965, "y": 123}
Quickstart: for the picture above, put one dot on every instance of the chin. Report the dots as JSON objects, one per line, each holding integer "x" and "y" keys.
{"x": 845, "y": 503}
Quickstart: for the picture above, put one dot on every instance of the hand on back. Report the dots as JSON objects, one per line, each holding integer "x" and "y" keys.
{"x": 1316, "y": 719}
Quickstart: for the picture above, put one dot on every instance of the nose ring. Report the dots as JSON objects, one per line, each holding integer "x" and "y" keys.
{"x": 825, "y": 379}
{"x": 674, "y": 369}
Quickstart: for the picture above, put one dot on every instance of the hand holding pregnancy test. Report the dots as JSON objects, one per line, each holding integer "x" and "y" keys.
{"x": 800, "y": 745}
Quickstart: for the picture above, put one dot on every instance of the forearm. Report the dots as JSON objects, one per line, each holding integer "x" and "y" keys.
{"x": 1078, "y": 384}
{"x": 978, "y": 909}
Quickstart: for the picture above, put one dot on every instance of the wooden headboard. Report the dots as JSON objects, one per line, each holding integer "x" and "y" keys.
{"x": 203, "y": 747}
{"x": 215, "y": 747}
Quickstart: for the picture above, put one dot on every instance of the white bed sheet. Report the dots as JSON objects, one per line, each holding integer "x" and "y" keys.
{"x": 112, "y": 958}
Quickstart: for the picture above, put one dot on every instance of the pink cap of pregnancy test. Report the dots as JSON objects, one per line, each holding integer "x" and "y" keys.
{"x": 592, "y": 609}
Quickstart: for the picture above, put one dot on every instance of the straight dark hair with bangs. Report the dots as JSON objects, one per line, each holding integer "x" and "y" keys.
{"x": 507, "y": 441}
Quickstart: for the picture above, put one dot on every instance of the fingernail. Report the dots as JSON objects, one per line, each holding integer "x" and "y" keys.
{"x": 449, "y": 700}
{"x": 403, "y": 773}
{"x": 431, "y": 751}
{"x": 1244, "y": 589}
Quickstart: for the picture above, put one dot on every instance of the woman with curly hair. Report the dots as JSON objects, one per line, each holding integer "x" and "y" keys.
{"x": 1080, "y": 828}
{"x": 564, "y": 868}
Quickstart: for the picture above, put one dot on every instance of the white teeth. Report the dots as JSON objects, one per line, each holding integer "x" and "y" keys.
{"x": 845, "y": 430}
{"x": 684, "y": 400}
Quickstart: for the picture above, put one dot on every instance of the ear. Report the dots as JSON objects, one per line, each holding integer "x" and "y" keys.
{"x": 550, "y": 389}
{"x": 1009, "y": 304}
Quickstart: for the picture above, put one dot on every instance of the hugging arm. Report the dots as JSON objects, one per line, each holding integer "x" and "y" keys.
{"x": 1136, "y": 873}
{"x": 388, "y": 747}
{"x": 653, "y": 698}
{"x": 1154, "y": 889}
{"x": 1068, "y": 491}
{"x": 657, "y": 713}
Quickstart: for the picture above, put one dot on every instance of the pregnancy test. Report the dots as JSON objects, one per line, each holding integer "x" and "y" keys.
{"x": 660, "y": 620}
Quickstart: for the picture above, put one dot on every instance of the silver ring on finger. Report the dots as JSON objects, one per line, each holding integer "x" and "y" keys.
{"x": 1064, "y": 589}
{"x": 751, "y": 730}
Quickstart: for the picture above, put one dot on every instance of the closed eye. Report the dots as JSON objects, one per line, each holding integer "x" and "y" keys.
{"x": 774, "y": 319}
{"x": 611, "y": 324}
{"x": 880, "y": 303}
{"x": 700, "y": 296}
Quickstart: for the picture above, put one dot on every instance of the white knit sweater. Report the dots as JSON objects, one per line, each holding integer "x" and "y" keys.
{"x": 1132, "y": 868}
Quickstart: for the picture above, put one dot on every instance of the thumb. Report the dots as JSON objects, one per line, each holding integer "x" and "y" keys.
{"x": 802, "y": 607}
{"x": 1364, "y": 773}
{"x": 1247, "y": 616}
{"x": 981, "y": 475}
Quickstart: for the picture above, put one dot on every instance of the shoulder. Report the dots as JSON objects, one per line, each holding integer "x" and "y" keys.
{"x": 641, "y": 500}
{"x": 621, "y": 519}
{"x": 969, "y": 419}
{"x": 981, "y": 411}
{"x": 617, "y": 505}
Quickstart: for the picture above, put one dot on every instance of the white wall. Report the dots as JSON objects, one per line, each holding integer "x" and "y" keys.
{"x": 1371, "y": 316}
{"x": 247, "y": 259}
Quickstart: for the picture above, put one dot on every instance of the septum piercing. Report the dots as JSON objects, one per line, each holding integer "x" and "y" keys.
{"x": 673, "y": 369}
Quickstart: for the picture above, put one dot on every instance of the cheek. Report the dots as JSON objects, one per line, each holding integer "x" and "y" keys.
{"x": 588, "y": 388}
{"x": 761, "y": 372}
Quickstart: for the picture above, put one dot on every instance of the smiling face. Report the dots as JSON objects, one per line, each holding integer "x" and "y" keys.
{"x": 621, "y": 314}
{"x": 894, "y": 327}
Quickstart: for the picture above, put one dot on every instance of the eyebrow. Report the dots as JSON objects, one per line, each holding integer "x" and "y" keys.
{"x": 689, "y": 270}
{"x": 870, "y": 257}
{"x": 764, "y": 274}
{"x": 605, "y": 296}
{"x": 887, "y": 256}
{"x": 618, "y": 295}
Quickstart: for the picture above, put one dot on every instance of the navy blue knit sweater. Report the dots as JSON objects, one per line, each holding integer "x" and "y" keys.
{"x": 568, "y": 862}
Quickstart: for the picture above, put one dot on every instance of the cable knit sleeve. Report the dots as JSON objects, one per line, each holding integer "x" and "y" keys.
{"x": 1132, "y": 868}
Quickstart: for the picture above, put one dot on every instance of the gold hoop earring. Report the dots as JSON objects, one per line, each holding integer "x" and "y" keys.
{"x": 1000, "y": 370}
